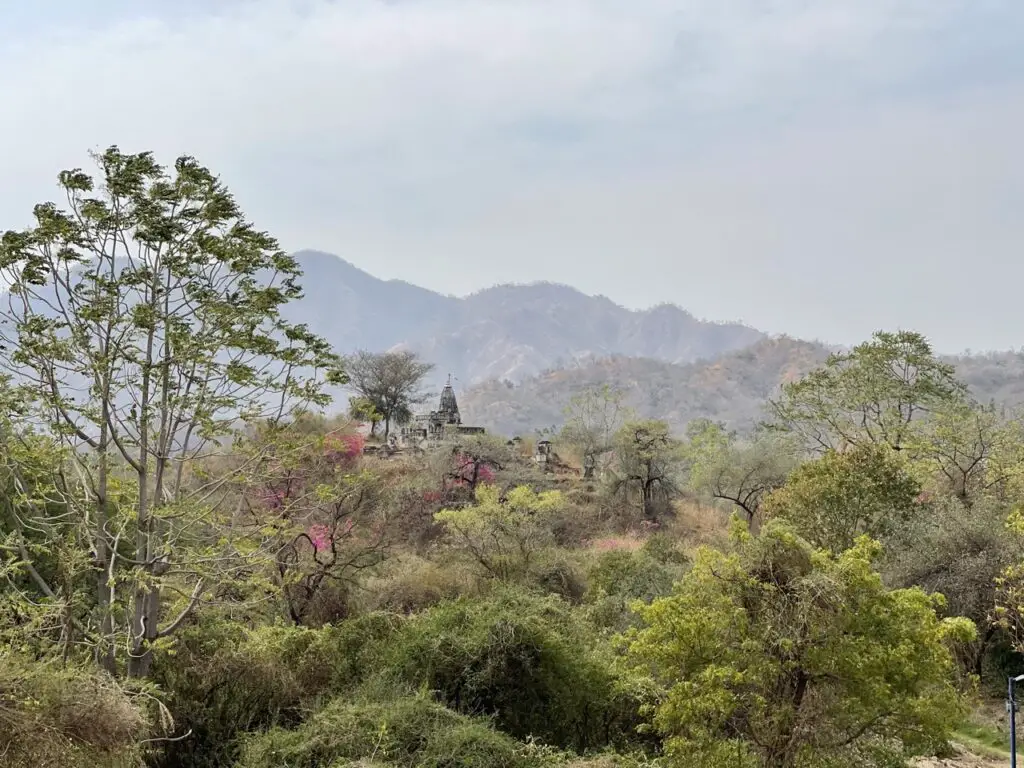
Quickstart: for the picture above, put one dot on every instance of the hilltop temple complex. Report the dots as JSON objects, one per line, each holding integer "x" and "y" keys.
{"x": 446, "y": 421}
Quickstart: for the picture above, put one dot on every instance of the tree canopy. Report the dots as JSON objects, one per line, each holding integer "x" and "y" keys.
{"x": 781, "y": 655}
{"x": 876, "y": 393}
{"x": 390, "y": 383}
{"x": 142, "y": 322}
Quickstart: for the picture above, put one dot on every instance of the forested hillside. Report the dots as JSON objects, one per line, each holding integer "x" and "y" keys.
{"x": 731, "y": 388}
{"x": 205, "y": 565}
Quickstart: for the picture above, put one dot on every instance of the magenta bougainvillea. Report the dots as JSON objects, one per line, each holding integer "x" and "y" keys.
{"x": 343, "y": 449}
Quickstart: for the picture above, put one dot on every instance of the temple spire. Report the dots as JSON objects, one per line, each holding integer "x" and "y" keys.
{"x": 449, "y": 410}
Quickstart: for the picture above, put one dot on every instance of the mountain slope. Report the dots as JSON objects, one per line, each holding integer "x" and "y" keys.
{"x": 507, "y": 332}
{"x": 732, "y": 388}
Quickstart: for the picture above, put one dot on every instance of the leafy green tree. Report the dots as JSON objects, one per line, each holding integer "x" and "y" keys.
{"x": 391, "y": 382}
{"x": 143, "y": 323}
{"x": 503, "y": 533}
{"x": 743, "y": 472}
{"x": 840, "y": 496}
{"x": 780, "y": 655}
{"x": 647, "y": 465}
{"x": 362, "y": 409}
{"x": 876, "y": 393}
{"x": 970, "y": 451}
{"x": 592, "y": 419}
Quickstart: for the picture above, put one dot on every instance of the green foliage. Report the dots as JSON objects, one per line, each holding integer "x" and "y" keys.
{"x": 52, "y": 716}
{"x": 363, "y": 409}
{"x": 619, "y": 578}
{"x": 412, "y": 731}
{"x": 742, "y": 472}
{"x": 503, "y": 533}
{"x": 876, "y": 393}
{"x": 970, "y": 451}
{"x": 145, "y": 320}
{"x": 388, "y": 383}
{"x": 526, "y": 660}
{"x": 782, "y": 655}
{"x": 412, "y": 584}
{"x": 647, "y": 464}
{"x": 224, "y": 680}
{"x": 631, "y": 575}
{"x": 961, "y": 556}
{"x": 836, "y": 498}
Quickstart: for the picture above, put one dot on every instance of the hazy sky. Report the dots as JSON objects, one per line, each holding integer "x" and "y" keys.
{"x": 818, "y": 167}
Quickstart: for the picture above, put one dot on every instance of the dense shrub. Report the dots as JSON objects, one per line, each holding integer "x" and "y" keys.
{"x": 55, "y": 716}
{"x": 617, "y": 578}
{"x": 412, "y": 584}
{"x": 225, "y": 680}
{"x": 412, "y": 731}
{"x": 557, "y": 575}
{"x": 526, "y": 660}
{"x": 633, "y": 575}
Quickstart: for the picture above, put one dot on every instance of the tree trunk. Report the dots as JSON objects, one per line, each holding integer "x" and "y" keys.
{"x": 147, "y": 607}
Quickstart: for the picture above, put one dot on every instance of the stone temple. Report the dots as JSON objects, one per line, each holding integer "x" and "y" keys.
{"x": 446, "y": 421}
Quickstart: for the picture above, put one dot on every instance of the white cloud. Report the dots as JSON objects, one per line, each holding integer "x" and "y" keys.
{"x": 417, "y": 136}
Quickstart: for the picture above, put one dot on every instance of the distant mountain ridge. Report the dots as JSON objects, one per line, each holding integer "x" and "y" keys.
{"x": 520, "y": 352}
{"x": 508, "y": 332}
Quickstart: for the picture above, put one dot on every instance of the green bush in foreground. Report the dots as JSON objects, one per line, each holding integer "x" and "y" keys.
{"x": 526, "y": 660}
{"x": 411, "y": 732}
{"x": 782, "y": 656}
{"x": 225, "y": 679}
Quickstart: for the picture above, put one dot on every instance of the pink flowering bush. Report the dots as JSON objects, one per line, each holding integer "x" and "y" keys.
{"x": 470, "y": 472}
{"x": 344, "y": 449}
{"x": 320, "y": 536}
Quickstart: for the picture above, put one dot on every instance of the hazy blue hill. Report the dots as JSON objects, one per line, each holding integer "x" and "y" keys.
{"x": 506, "y": 332}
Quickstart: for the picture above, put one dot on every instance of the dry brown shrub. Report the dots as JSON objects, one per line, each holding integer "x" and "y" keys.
{"x": 697, "y": 523}
{"x": 66, "y": 716}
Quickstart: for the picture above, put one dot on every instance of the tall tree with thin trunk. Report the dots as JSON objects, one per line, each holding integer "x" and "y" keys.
{"x": 143, "y": 324}
{"x": 592, "y": 419}
{"x": 648, "y": 462}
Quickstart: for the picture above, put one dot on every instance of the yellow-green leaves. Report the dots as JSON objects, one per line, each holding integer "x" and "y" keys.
{"x": 784, "y": 655}
{"x": 834, "y": 499}
{"x": 502, "y": 534}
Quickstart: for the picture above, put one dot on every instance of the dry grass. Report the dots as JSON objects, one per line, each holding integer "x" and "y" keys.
{"x": 696, "y": 523}
{"x": 65, "y": 716}
{"x": 623, "y": 543}
{"x": 409, "y": 584}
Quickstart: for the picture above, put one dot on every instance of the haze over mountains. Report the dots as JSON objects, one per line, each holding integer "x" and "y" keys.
{"x": 520, "y": 352}
{"x": 506, "y": 332}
